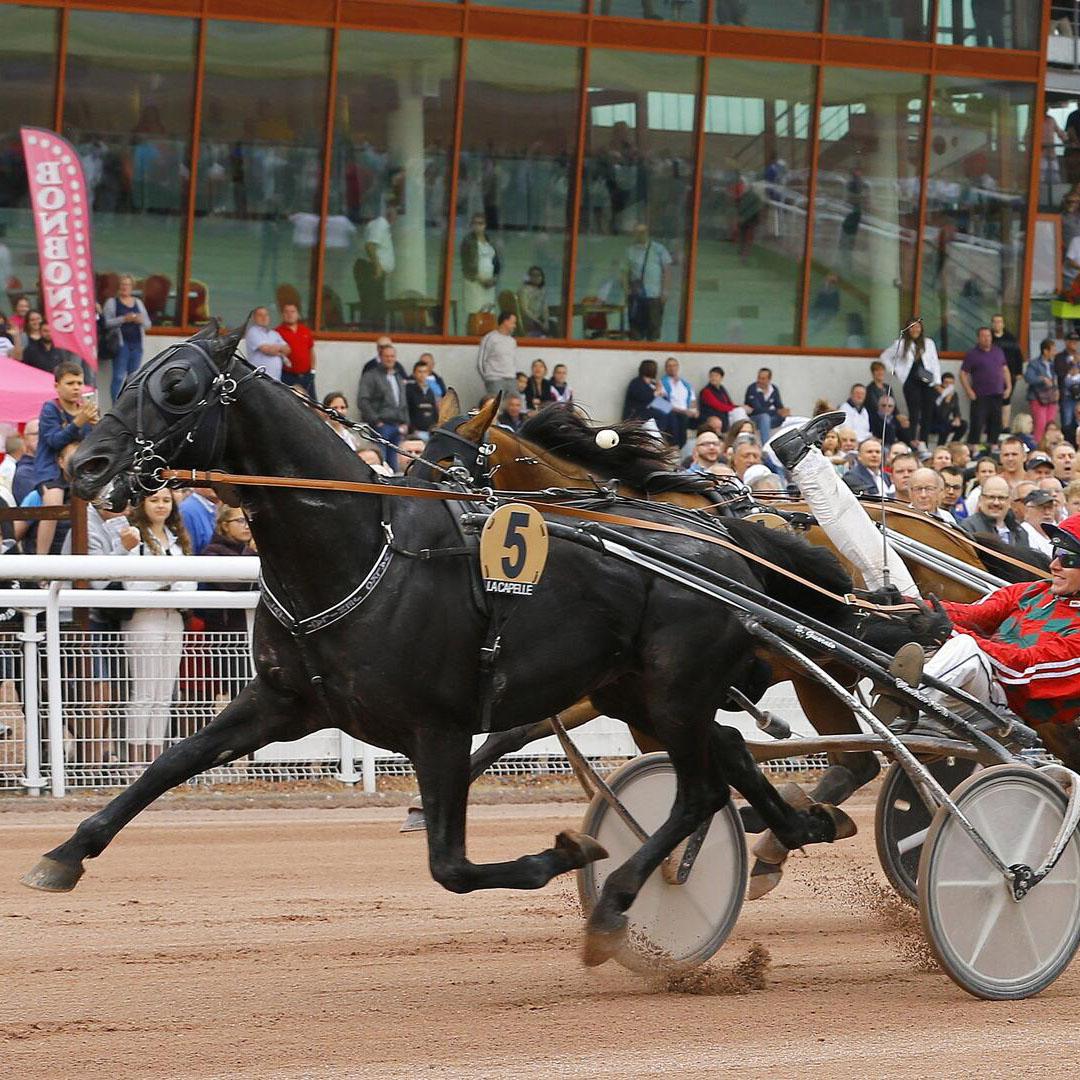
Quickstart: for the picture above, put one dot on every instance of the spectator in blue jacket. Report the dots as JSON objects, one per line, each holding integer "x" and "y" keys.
{"x": 763, "y": 403}
{"x": 62, "y": 423}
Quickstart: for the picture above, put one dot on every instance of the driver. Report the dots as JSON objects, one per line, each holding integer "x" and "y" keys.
{"x": 1018, "y": 647}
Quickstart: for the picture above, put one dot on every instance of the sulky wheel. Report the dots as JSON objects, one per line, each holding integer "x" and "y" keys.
{"x": 671, "y": 926}
{"x": 902, "y": 819}
{"x": 990, "y": 944}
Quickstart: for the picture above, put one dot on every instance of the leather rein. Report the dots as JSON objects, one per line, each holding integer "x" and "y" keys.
{"x": 193, "y": 477}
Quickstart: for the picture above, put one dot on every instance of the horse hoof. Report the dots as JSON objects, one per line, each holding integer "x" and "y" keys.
{"x": 843, "y": 825}
{"x": 414, "y": 820}
{"x": 603, "y": 945}
{"x": 768, "y": 849}
{"x": 582, "y": 847}
{"x": 48, "y": 875}
{"x": 764, "y": 877}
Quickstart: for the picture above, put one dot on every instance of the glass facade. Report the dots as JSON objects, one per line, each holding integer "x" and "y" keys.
{"x": 608, "y": 170}
{"x": 515, "y": 184}
{"x": 866, "y": 206}
{"x": 752, "y": 219}
{"x": 29, "y": 38}
{"x": 976, "y": 206}
{"x": 128, "y": 113}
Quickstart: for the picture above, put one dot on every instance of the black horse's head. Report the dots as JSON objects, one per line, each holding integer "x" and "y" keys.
{"x": 170, "y": 412}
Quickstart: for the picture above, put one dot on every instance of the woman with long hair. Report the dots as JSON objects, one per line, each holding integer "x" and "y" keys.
{"x": 154, "y": 636}
{"x": 127, "y": 322}
{"x": 913, "y": 361}
{"x": 337, "y": 401}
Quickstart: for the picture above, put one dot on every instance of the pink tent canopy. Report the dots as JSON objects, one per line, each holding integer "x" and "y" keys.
{"x": 23, "y": 390}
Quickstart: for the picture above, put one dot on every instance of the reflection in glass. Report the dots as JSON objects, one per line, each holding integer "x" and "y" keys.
{"x": 128, "y": 112}
{"x": 752, "y": 219}
{"x": 866, "y": 207}
{"x": 389, "y": 183}
{"x": 515, "y": 182}
{"x": 897, "y": 19}
{"x": 670, "y": 10}
{"x": 635, "y": 196}
{"x": 260, "y": 169}
{"x": 788, "y": 15}
{"x": 994, "y": 24}
{"x": 28, "y": 45}
{"x": 976, "y": 207}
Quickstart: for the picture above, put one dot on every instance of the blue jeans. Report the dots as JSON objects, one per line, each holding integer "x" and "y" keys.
{"x": 128, "y": 358}
{"x": 392, "y": 434}
{"x": 306, "y": 382}
{"x": 765, "y": 422}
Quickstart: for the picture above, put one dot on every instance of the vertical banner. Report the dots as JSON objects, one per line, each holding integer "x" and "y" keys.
{"x": 62, "y": 221}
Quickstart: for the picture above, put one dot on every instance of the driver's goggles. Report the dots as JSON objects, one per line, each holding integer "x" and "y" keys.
{"x": 1070, "y": 560}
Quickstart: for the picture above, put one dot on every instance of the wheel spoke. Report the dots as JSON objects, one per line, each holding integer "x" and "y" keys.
{"x": 988, "y": 927}
{"x": 1030, "y": 832}
{"x": 910, "y": 843}
{"x": 1028, "y": 936}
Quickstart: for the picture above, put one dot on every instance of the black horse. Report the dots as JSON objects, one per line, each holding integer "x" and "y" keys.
{"x": 342, "y": 601}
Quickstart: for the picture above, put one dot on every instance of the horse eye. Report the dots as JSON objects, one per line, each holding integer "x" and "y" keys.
{"x": 179, "y": 385}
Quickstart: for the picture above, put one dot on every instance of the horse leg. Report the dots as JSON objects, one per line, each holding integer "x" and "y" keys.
{"x": 847, "y": 773}
{"x": 257, "y": 717}
{"x": 500, "y": 743}
{"x": 441, "y": 759}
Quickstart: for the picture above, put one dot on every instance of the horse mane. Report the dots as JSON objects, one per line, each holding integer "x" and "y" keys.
{"x": 1006, "y": 570}
{"x": 563, "y": 430}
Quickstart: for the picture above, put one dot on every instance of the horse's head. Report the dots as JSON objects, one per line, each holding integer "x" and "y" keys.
{"x": 169, "y": 413}
{"x": 458, "y": 440}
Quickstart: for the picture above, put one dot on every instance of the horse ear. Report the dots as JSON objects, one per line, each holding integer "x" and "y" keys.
{"x": 225, "y": 344}
{"x": 449, "y": 407}
{"x": 473, "y": 429}
{"x": 207, "y": 332}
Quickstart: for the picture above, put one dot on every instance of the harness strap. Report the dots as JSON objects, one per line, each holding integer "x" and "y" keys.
{"x": 196, "y": 476}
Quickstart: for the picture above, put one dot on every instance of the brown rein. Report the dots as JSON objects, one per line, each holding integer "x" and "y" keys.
{"x": 200, "y": 476}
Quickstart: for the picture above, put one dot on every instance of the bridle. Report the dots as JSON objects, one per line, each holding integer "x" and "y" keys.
{"x": 195, "y": 394}
{"x": 469, "y": 460}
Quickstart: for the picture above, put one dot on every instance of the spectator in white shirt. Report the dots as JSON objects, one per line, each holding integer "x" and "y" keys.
{"x": 496, "y": 359}
{"x": 375, "y": 264}
{"x": 856, "y": 412}
{"x": 265, "y": 346}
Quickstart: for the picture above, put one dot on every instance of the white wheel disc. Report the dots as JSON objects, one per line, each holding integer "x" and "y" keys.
{"x": 989, "y": 944}
{"x": 670, "y": 926}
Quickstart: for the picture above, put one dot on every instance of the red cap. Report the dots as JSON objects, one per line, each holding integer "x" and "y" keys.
{"x": 1067, "y": 533}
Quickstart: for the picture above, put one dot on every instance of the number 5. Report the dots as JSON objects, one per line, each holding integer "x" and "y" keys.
{"x": 515, "y": 541}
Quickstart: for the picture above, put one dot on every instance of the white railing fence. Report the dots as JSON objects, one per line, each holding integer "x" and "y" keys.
{"x": 85, "y": 708}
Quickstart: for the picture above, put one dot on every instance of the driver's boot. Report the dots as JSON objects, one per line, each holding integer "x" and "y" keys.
{"x": 792, "y": 446}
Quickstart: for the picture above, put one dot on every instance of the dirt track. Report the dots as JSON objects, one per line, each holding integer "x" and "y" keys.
{"x": 278, "y": 944}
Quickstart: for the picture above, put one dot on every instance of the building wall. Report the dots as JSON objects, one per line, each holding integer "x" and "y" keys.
{"x": 598, "y": 378}
{"x": 810, "y": 202}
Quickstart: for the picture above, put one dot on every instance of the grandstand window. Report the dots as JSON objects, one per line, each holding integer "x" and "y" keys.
{"x": 516, "y": 174}
{"x": 976, "y": 206}
{"x": 260, "y": 168}
{"x": 866, "y": 206}
{"x": 393, "y": 125}
{"x": 128, "y": 112}
{"x": 29, "y": 40}
{"x": 752, "y": 216}
{"x": 636, "y": 174}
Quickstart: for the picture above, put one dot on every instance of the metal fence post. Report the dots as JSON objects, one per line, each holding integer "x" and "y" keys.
{"x": 56, "y": 705}
{"x": 31, "y": 717}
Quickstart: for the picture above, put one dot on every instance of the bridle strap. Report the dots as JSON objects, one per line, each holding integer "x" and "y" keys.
{"x": 206, "y": 477}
